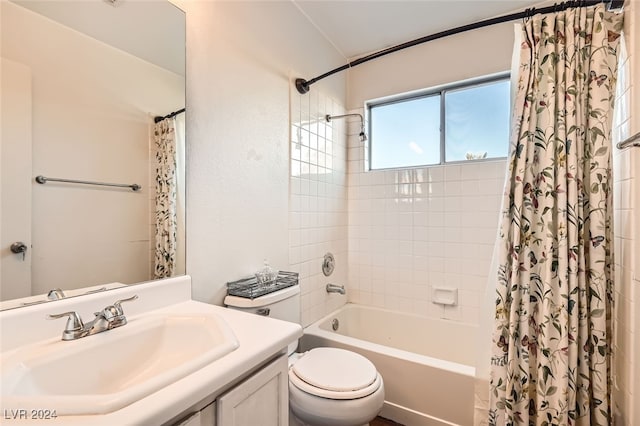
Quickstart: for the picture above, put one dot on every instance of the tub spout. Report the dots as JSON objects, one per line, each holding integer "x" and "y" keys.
{"x": 334, "y": 288}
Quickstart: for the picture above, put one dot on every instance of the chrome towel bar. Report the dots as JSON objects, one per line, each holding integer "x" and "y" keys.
{"x": 632, "y": 141}
{"x": 42, "y": 180}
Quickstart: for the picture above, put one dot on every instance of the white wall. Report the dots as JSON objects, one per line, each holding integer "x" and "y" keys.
{"x": 626, "y": 225}
{"x": 91, "y": 115}
{"x": 15, "y": 178}
{"x": 475, "y": 53}
{"x": 415, "y": 229}
{"x": 240, "y": 58}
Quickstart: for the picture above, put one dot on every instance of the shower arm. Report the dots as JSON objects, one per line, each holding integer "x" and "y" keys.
{"x": 331, "y": 117}
{"x": 362, "y": 135}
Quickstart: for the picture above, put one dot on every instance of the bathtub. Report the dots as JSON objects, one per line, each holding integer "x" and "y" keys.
{"x": 427, "y": 364}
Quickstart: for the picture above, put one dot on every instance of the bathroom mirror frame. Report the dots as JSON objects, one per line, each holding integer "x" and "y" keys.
{"x": 146, "y": 52}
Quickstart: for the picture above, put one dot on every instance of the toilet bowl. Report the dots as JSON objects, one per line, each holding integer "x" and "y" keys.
{"x": 327, "y": 386}
{"x": 333, "y": 387}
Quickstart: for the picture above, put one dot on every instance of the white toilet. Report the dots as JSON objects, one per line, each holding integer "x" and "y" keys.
{"x": 327, "y": 386}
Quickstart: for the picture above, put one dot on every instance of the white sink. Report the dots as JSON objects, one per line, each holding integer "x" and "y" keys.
{"x": 107, "y": 371}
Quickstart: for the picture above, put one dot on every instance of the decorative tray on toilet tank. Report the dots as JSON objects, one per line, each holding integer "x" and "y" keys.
{"x": 251, "y": 287}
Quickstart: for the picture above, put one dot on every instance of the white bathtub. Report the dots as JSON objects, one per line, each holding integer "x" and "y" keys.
{"x": 426, "y": 364}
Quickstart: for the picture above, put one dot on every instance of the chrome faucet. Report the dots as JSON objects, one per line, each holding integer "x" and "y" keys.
{"x": 110, "y": 317}
{"x": 334, "y": 288}
{"x": 55, "y": 294}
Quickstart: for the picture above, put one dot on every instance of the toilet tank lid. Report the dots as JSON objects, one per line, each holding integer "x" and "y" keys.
{"x": 267, "y": 299}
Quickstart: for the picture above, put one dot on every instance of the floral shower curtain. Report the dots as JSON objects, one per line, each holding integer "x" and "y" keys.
{"x": 551, "y": 348}
{"x": 166, "y": 186}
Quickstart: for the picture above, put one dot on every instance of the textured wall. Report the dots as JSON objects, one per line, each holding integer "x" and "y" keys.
{"x": 240, "y": 57}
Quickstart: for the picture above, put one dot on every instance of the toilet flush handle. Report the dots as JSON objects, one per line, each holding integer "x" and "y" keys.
{"x": 263, "y": 311}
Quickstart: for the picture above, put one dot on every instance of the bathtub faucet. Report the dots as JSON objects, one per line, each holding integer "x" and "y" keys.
{"x": 334, "y": 288}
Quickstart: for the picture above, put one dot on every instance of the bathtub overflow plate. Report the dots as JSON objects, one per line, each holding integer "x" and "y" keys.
{"x": 328, "y": 264}
{"x": 335, "y": 324}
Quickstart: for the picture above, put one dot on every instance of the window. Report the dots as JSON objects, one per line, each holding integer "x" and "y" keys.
{"x": 456, "y": 123}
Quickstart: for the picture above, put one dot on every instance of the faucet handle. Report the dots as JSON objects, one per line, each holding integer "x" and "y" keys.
{"x": 74, "y": 322}
{"x": 108, "y": 313}
{"x": 118, "y": 304}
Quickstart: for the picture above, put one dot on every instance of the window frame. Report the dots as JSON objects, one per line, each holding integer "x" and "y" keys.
{"x": 440, "y": 91}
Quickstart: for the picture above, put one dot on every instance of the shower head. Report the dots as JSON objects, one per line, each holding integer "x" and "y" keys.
{"x": 362, "y": 135}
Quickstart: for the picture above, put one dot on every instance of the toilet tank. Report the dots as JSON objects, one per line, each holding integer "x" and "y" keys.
{"x": 283, "y": 304}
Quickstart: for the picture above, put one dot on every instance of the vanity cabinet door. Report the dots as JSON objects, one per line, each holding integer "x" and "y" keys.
{"x": 262, "y": 399}
{"x": 204, "y": 417}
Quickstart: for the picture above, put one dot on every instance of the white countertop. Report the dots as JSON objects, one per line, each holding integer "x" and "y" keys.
{"x": 260, "y": 339}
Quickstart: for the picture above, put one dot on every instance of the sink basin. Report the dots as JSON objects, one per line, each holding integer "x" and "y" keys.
{"x": 107, "y": 371}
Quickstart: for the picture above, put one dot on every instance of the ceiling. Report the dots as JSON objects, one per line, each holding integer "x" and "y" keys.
{"x": 155, "y": 30}
{"x": 151, "y": 30}
{"x": 359, "y": 27}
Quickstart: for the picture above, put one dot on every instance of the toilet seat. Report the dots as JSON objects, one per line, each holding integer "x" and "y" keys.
{"x": 335, "y": 374}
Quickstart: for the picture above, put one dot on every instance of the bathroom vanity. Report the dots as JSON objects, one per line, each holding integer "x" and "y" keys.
{"x": 175, "y": 362}
{"x": 260, "y": 399}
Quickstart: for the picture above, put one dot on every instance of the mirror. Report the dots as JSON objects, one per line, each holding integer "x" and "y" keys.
{"x": 81, "y": 85}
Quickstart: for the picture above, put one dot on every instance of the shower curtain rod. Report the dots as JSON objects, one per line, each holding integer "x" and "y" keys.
{"x": 303, "y": 85}
{"x": 173, "y": 114}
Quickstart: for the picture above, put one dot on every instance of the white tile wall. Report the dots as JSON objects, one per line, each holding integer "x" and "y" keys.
{"x": 413, "y": 229}
{"x": 317, "y": 200}
{"x": 626, "y": 391}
